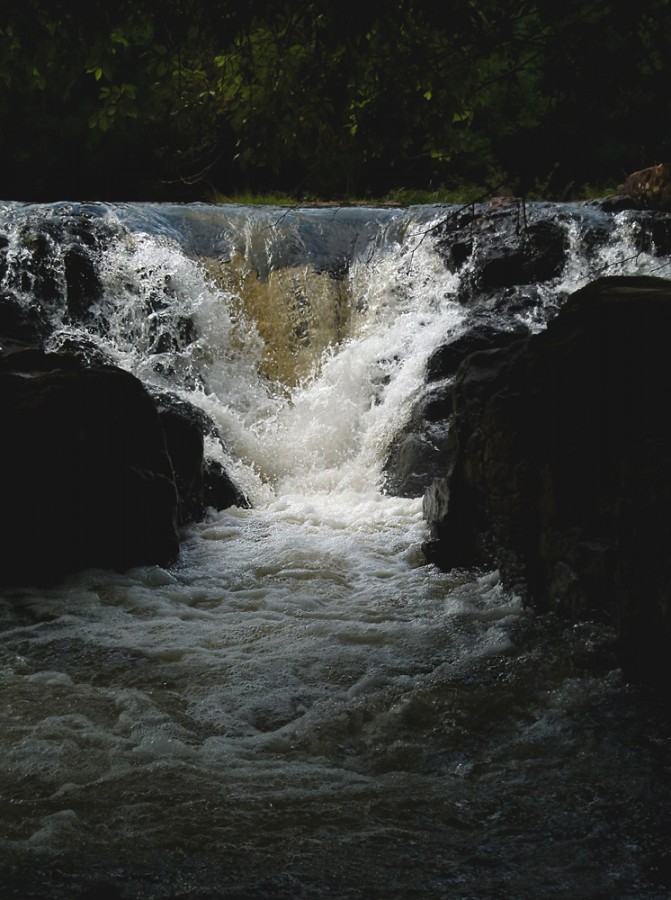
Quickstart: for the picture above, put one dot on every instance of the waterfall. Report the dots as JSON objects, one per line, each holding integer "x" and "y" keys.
{"x": 301, "y": 705}
{"x": 303, "y": 334}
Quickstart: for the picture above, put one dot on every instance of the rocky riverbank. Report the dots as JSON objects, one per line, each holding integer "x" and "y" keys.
{"x": 558, "y": 465}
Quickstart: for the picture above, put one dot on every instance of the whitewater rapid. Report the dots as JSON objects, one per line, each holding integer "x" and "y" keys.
{"x": 301, "y": 706}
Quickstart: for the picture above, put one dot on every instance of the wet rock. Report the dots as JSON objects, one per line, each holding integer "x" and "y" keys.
{"x": 483, "y": 332}
{"x": 85, "y": 349}
{"x": 219, "y": 489}
{"x": 420, "y": 452}
{"x": 200, "y": 482}
{"x": 537, "y": 255}
{"x": 617, "y": 204}
{"x": 21, "y": 323}
{"x": 31, "y": 361}
{"x": 185, "y": 445}
{"x": 59, "y": 263}
{"x": 86, "y": 480}
{"x": 83, "y": 284}
{"x": 56, "y": 271}
{"x": 559, "y": 469}
{"x": 4, "y": 244}
{"x": 503, "y": 249}
{"x": 653, "y": 233}
{"x": 457, "y": 253}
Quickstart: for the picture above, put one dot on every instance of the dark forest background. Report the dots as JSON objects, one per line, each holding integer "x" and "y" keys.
{"x": 185, "y": 99}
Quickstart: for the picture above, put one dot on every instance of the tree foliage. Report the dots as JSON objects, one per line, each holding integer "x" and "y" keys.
{"x": 136, "y": 98}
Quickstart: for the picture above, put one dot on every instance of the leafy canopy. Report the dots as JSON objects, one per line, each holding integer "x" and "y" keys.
{"x": 139, "y": 98}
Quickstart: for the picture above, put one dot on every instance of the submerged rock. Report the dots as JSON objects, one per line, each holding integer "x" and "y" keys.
{"x": 559, "y": 465}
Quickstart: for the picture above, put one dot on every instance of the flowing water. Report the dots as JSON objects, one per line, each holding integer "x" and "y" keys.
{"x": 301, "y": 706}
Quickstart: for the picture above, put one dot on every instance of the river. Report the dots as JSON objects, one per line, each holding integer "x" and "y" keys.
{"x": 302, "y": 707}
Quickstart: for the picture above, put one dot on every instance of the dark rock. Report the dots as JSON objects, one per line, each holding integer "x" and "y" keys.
{"x": 58, "y": 264}
{"x": 502, "y": 246}
{"x": 185, "y": 445}
{"x": 200, "y": 483}
{"x": 39, "y": 274}
{"x": 21, "y": 323}
{"x": 4, "y": 244}
{"x": 219, "y": 489}
{"x": 85, "y": 349}
{"x": 457, "y": 253}
{"x": 95, "y": 472}
{"x": 438, "y": 402}
{"x": 559, "y": 466}
{"x": 537, "y": 255}
{"x": 654, "y": 234}
{"x": 85, "y": 476}
{"x": 83, "y": 284}
{"x": 618, "y": 204}
{"x": 418, "y": 454}
{"x": 482, "y": 333}
{"x": 30, "y": 361}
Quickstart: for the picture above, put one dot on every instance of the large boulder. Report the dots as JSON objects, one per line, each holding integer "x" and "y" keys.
{"x": 96, "y": 471}
{"x": 85, "y": 478}
{"x": 559, "y": 468}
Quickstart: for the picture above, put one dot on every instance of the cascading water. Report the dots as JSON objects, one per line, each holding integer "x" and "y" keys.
{"x": 301, "y": 706}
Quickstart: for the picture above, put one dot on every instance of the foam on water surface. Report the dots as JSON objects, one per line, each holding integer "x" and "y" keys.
{"x": 301, "y": 706}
